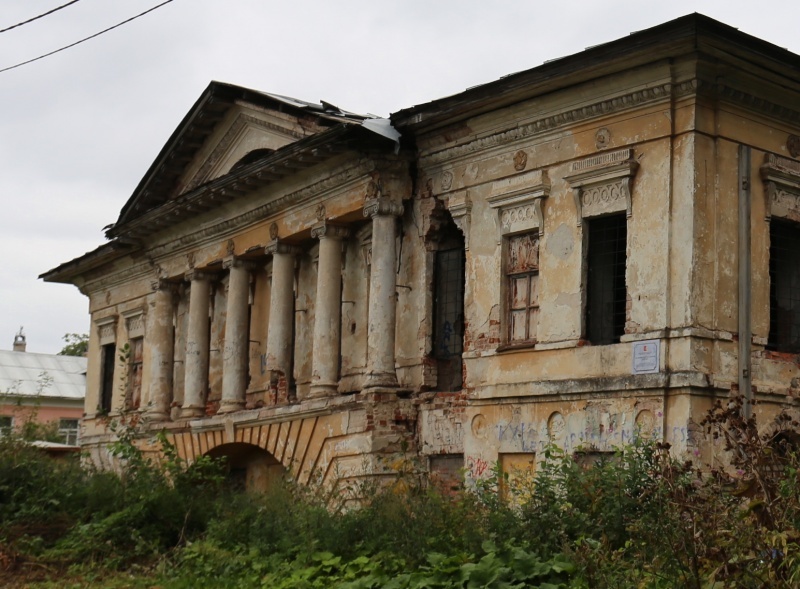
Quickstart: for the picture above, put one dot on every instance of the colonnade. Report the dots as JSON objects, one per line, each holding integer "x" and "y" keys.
{"x": 380, "y": 374}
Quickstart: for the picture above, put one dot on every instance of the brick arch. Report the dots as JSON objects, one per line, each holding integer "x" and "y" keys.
{"x": 306, "y": 447}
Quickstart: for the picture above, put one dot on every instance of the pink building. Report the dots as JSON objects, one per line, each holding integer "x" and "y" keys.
{"x": 41, "y": 387}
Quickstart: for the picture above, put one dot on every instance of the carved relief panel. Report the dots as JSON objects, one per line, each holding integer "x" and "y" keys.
{"x": 782, "y": 178}
{"x": 601, "y": 184}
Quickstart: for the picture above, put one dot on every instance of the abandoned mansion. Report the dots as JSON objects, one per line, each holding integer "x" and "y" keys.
{"x": 576, "y": 254}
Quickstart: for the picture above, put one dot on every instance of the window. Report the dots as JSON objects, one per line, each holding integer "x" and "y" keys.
{"x": 522, "y": 275}
{"x": 606, "y": 295}
{"x": 784, "y": 289}
{"x": 448, "y": 329}
{"x": 68, "y": 430}
{"x": 6, "y": 423}
{"x": 107, "y": 377}
{"x": 135, "y": 373}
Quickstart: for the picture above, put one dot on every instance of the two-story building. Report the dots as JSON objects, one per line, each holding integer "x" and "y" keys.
{"x": 596, "y": 247}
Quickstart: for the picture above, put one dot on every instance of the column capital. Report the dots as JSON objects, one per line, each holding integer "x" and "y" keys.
{"x": 330, "y": 231}
{"x": 163, "y": 284}
{"x": 382, "y": 206}
{"x": 235, "y": 262}
{"x": 276, "y": 246}
{"x": 193, "y": 275}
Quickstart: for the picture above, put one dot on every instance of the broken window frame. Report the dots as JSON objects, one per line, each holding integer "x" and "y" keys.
{"x": 135, "y": 366}
{"x": 516, "y": 271}
{"x": 605, "y": 311}
{"x": 784, "y": 286}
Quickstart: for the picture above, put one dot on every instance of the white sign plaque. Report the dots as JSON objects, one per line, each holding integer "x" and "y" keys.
{"x": 646, "y": 356}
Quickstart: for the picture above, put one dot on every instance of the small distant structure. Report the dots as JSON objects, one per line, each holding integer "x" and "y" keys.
{"x": 20, "y": 344}
{"x": 42, "y": 388}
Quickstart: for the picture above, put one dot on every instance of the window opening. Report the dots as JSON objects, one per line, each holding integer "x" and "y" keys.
{"x": 135, "y": 373}
{"x": 107, "y": 378}
{"x": 448, "y": 312}
{"x": 6, "y": 424}
{"x": 784, "y": 288}
{"x": 522, "y": 274}
{"x": 606, "y": 294}
{"x": 68, "y": 430}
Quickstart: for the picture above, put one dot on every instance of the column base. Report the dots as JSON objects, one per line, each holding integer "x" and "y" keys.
{"x": 189, "y": 412}
{"x": 381, "y": 380}
{"x": 156, "y": 415}
{"x": 319, "y": 390}
{"x": 230, "y": 406}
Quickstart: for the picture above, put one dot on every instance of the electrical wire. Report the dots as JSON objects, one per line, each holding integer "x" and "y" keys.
{"x": 30, "y": 20}
{"x": 11, "y": 67}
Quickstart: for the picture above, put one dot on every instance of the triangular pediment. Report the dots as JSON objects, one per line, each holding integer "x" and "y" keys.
{"x": 225, "y": 125}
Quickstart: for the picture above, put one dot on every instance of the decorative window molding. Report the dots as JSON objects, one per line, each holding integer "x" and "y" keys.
{"x": 107, "y": 329}
{"x": 134, "y": 322}
{"x": 782, "y": 179}
{"x": 601, "y": 184}
{"x": 460, "y": 207}
{"x": 519, "y": 201}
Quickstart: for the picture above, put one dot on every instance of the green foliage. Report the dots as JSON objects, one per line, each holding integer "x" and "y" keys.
{"x": 76, "y": 344}
{"x": 638, "y": 519}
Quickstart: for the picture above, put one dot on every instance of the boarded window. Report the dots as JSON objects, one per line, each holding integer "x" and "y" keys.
{"x": 518, "y": 470}
{"x": 448, "y": 331}
{"x": 107, "y": 377}
{"x": 522, "y": 275}
{"x": 606, "y": 294}
{"x": 784, "y": 292}
{"x": 135, "y": 373}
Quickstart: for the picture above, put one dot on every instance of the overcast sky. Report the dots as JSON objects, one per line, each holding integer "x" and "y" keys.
{"x": 80, "y": 128}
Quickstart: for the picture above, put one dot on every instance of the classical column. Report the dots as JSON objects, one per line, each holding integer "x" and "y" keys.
{"x": 235, "y": 353}
{"x": 382, "y": 299}
{"x": 196, "y": 362}
{"x": 327, "y": 310}
{"x": 280, "y": 340}
{"x": 160, "y": 338}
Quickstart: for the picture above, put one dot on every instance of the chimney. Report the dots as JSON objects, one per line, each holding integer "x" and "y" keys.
{"x": 19, "y": 341}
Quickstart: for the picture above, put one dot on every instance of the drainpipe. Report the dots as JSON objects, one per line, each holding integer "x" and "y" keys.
{"x": 745, "y": 282}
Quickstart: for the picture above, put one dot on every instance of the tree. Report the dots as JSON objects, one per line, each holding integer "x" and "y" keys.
{"x": 77, "y": 344}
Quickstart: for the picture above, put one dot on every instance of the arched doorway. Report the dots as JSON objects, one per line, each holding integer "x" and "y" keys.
{"x": 249, "y": 467}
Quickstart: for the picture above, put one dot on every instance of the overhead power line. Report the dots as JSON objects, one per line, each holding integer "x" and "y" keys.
{"x": 11, "y": 67}
{"x": 30, "y": 20}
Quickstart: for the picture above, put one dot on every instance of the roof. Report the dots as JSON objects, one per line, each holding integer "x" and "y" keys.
{"x": 688, "y": 34}
{"x": 47, "y": 375}
{"x": 161, "y": 179}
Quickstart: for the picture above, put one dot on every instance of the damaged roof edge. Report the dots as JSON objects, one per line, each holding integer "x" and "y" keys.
{"x": 586, "y": 65}
{"x": 225, "y": 93}
{"x": 66, "y": 272}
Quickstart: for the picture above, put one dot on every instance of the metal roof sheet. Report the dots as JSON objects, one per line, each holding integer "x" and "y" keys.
{"x": 48, "y": 375}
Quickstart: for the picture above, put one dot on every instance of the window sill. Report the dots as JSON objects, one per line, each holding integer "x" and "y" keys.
{"x": 510, "y": 347}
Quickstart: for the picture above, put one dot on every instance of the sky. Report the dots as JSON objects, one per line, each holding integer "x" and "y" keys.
{"x": 80, "y": 128}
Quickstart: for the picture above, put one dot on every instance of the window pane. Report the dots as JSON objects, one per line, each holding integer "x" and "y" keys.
{"x": 523, "y": 253}
{"x": 519, "y": 292}
{"x": 519, "y": 319}
{"x": 534, "y": 299}
{"x": 533, "y": 322}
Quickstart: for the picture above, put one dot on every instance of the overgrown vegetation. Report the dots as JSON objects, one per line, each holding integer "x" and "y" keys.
{"x": 640, "y": 519}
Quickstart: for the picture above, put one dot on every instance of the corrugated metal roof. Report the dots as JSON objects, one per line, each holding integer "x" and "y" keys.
{"x": 48, "y": 375}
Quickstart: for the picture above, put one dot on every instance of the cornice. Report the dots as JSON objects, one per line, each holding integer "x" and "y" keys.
{"x": 598, "y": 109}
{"x": 612, "y": 106}
{"x": 341, "y": 180}
{"x": 108, "y": 280}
